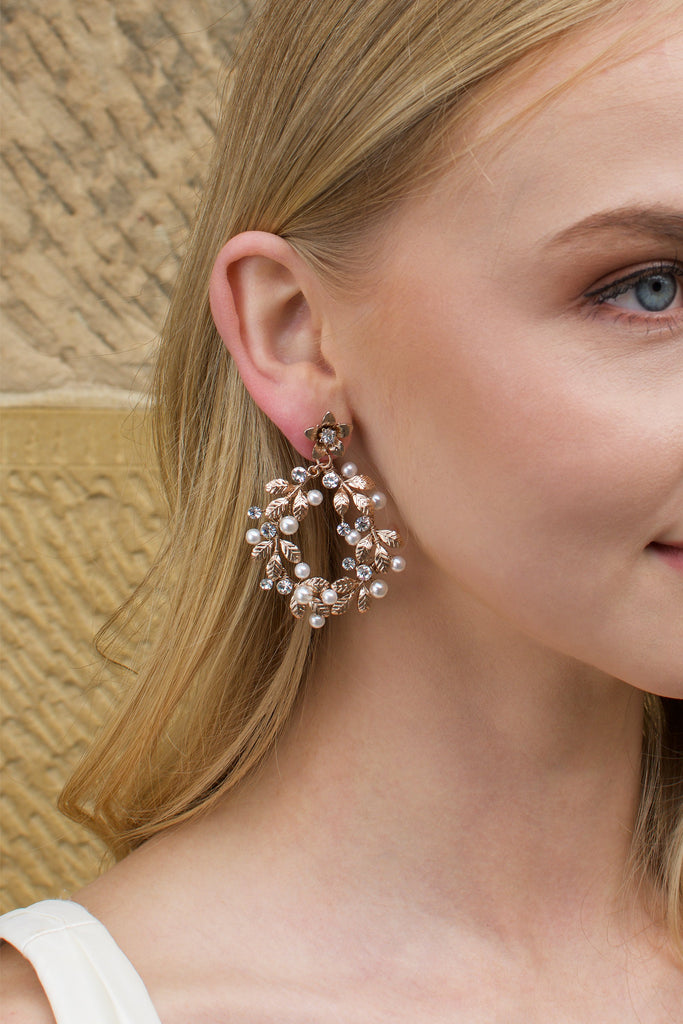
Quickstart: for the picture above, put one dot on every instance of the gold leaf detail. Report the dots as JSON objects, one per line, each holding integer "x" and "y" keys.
{"x": 276, "y": 508}
{"x": 262, "y": 549}
{"x": 360, "y": 483}
{"x": 362, "y": 502}
{"x": 316, "y": 584}
{"x": 301, "y": 506}
{"x": 274, "y": 569}
{"x": 345, "y": 585}
{"x": 290, "y": 551}
{"x": 278, "y": 487}
{"x": 381, "y": 559}
{"x": 297, "y": 610}
{"x": 341, "y": 501}
{"x": 390, "y": 538}
{"x": 363, "y": 549}
{"x": 363, "y": 599}
{"x": 339, "y": 607}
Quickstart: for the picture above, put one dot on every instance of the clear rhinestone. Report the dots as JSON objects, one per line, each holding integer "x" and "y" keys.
{"x": 331, "y": 480}
{"x": 266, "y": 584}
{"x": 255, "y": 512}
{"x": 299, "y": 475}
{"x": 284, "y": 586}
{"x": 363, "y": 572}
{"x": 343, "y": 529}
{"x": 269, "y": 530}
{"x": 363, "y": 523}
{"x": 349, "y": 563}
{"x": 328, "y": 435}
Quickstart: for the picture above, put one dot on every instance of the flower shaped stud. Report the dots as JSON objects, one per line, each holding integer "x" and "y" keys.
{"x": 328, "y": 437}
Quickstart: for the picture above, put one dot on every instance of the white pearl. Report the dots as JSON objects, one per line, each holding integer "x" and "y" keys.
{"x": 378, "y": 499}
{"x": 289, "y": 525}
{"x": 398, "y": 563}
{"x": 352, "y": 537}
{"x": 303, "y": 595}
{"x": 302, "y": 570}
{"x": 329, "y": 596}
{"x": 315, "y": 497}
{"x": 378, "y": 588}
{"x": 349, "y": 469}
{"x": 253, "y": 536}
{"x": 316, "y": 621}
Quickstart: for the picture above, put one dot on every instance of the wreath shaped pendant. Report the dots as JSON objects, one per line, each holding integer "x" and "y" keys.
{"x": 355, "y": 501}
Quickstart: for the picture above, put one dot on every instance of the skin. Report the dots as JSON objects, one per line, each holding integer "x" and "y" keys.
{"x": 443, "y": 831}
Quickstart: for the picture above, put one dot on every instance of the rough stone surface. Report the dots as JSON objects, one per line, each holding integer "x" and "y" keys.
{"x": 108, "y": 115}
{"x": 79, "y": 522}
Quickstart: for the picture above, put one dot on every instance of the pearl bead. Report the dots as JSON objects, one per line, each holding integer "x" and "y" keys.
{"x": 289, "y": 525}
{"x": 303, "y": 594}
{"x": 315, "y": 497}
{"x": 349, "y": 469}
{"x": 398, "y": 563}
{"x": 302, "y": 570}
{"x": 253, "y": 536}
{"x": 378, "y": 499}
{"x": 378, "y": 588}
{"x": 352, "y": 537}
{"x": 316, "y": 621}
{"x": 329, "y": 596}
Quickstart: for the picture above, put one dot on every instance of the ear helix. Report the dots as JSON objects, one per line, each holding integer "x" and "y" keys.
{"x": 355, "y": 501}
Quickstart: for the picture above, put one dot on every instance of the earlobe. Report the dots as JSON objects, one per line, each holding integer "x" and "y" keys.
{"x": 269, "y": 309}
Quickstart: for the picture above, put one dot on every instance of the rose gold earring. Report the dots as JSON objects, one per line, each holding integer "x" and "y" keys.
{"x": 355, "y": 501}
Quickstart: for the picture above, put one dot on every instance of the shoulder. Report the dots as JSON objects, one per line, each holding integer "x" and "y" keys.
{"x": 24, "y": 1000}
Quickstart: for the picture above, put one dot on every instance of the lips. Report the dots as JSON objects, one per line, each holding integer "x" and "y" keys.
{"x": 671, "y": 552}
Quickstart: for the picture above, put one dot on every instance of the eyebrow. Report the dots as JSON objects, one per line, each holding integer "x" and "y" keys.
{"x": 659, "y": 222}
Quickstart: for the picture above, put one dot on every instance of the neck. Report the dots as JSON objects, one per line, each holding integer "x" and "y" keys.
{"x": 488, "y": 780}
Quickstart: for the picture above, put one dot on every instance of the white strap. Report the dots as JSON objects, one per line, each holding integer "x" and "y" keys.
{"x": 86, "y": 977}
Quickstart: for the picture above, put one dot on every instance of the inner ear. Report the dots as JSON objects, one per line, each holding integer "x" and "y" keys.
{"x": 296, "y": 326}
{"x": 276, "y": 316}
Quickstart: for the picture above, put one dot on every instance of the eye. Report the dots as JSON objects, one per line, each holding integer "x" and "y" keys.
{"x": 654, "y": 290}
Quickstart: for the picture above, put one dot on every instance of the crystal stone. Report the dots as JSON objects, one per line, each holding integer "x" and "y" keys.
{"x": 328, "y": 435}
{"x": 284, "y": 586}
{"x": 269, "y": 530}
{"x": 363, "y": 572}
{"x": 363, "y": 523}
{"x": 349, "y": 563}
{"x": 343, "y": 529}
{"x": 266, "y": 584}
{"x": 255, "y": 512}
{"x": 299, "y": 475}
{"x": 330, "y": 480}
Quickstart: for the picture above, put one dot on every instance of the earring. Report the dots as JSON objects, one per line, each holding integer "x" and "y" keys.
{"x": 355, "y": 501}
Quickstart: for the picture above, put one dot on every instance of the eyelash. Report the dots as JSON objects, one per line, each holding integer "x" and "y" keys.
{"x": 598, "y": 297}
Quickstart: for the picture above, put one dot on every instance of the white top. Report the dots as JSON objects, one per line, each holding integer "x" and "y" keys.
{"x": 86, "y": 977}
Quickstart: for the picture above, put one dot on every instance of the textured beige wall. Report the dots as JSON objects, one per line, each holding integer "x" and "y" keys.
{"x": 108, "y": 112}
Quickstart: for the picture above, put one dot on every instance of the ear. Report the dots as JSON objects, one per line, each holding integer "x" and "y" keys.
{"x": 269, "y": 308}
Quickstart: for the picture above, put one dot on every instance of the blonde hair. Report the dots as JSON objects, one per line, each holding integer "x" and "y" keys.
{"x": 333, "y": 110}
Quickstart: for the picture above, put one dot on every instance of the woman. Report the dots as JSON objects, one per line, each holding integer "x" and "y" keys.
{"x": 459, "y": 227}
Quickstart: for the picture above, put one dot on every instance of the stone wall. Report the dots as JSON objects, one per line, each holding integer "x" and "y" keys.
{"x": 108, "y": 115}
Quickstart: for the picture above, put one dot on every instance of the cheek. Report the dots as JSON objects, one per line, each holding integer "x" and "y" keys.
{"x": 530, "y": 478}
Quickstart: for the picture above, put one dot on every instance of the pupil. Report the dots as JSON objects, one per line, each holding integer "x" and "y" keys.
{"x": 656, "y": 293}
